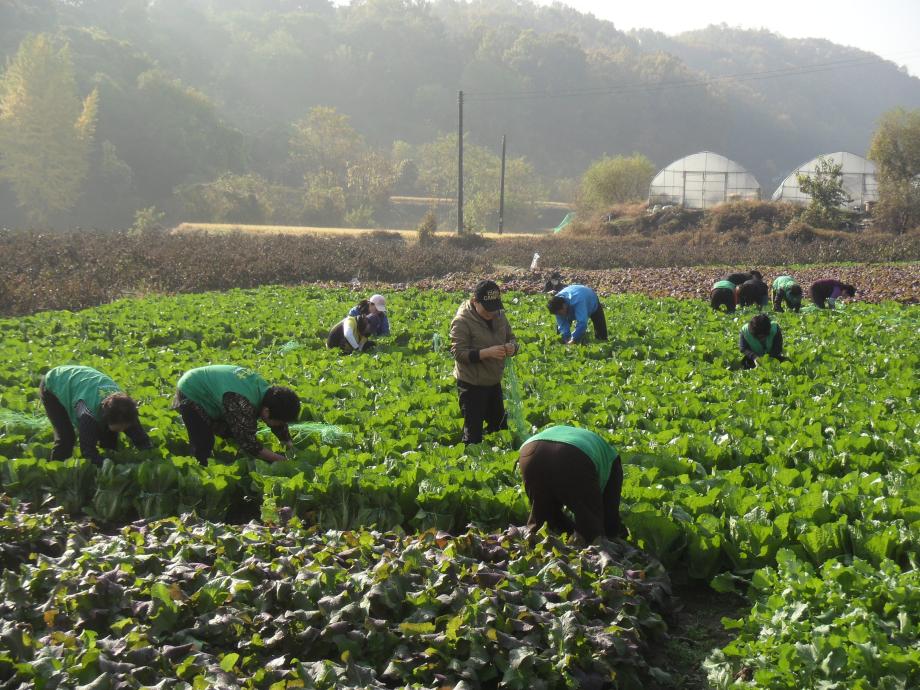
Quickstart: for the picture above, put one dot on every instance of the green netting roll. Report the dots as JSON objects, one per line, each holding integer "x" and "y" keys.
{"x": 329, "y": 434}
{"x": 513, "y": 405}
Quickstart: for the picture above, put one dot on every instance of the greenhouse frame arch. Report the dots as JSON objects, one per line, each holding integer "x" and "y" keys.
{"x": 859, "y": 180}
{"x": 702, "y": 180}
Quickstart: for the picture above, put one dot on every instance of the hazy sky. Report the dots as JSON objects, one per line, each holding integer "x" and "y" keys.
{"x": 890, "y": 28}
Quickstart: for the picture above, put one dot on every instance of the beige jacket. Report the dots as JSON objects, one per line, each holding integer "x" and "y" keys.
{"x": 470, "y": 333}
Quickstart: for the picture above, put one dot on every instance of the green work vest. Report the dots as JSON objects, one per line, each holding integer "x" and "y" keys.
{"x": 758, "y": 347}
{"x": 783, "y": 283}
{"x": 207, "y": 386}
{"x": 602, "y": 454}
{"x": 724, "y": 284}
{"x": 72, "y": 383}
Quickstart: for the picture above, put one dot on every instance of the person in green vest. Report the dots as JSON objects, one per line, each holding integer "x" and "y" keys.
{"x": 81, "y": 400}
{"x": 785, "y": 289}
{"x": 760, "y": 337}
{"x": 723, "y": 294}
{"x": 229, "y": 401}
{"x": 564, "y": 466}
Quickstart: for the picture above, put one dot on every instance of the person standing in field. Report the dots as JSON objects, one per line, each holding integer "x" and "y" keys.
{"x": 785, "y": 289}
{"x": 480, "y": 340}
{"x": 229, "y": 401}
{"x": 829, "y": 291}
{"x": 88, "y": 401}
{"x": 564, "y": 466}
{"x": 577, "y": 303}
{"x": 351, "y": 334}
{"x": 375, "y": 304}
{"x": 760, "y": 337}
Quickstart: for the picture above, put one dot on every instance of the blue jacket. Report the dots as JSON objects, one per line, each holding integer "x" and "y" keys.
{"x": 384, "y": 321}
{"x": 583, "y": 302}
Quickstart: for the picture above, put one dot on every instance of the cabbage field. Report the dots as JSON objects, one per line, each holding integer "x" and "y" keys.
{"x": 389, "y": 557}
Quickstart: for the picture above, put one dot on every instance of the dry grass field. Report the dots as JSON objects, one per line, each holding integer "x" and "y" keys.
{"x": 223, "y": 228}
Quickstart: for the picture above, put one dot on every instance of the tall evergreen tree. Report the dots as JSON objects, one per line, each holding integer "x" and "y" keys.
{"x": 46, "y": 131}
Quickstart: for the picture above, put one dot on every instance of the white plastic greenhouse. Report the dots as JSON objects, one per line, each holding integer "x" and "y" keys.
{"x": 859, "y": 180}
{"x": 702, "y": 180}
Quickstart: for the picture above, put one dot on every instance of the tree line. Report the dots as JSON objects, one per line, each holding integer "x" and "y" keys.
{"x": 301, "y": 112}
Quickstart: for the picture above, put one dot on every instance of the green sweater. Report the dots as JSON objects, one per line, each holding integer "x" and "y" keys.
{"x": 71, "y": 383}
{"x": 602, "y": 454}
{"x": 724, "y": 285}
{"x": 207, "y": 386}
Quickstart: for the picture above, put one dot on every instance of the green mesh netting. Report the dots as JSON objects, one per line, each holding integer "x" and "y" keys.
{"x": 289, "y": 346}
{"x": 329, "y": 434}
{"x": 513, "y": 404}
{"x": 436, "y": 343}
{"x": 14, "y": 420}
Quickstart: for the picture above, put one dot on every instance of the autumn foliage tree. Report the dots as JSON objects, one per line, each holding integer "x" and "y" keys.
{"x": 896, "y": 150}
{"x": 46, "y": 130}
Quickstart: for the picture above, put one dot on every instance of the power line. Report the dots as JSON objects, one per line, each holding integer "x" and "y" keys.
{"x": 485, "y": 96}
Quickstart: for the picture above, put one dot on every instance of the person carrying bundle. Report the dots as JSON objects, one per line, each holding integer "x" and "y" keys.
{"x": 229, "y": 401}
{"x": 760, "y": 337}
{"x": 577, "y": 303}
{"x": 351, "y": 334}
{"x": 564, "y": 466}
{"x": 785, "y": 289}
{"x": 375, "y": 304}
{"x": 480, "y": 340}
{"x": 829, "y": 291}
{"x": 86, "y": 400}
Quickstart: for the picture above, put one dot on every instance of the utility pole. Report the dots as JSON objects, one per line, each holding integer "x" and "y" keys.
{"x": 460, "y": 166}
{"x": 501, "y": 194}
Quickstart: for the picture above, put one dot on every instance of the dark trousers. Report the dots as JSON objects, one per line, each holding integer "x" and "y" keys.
{"x": 722, "y": 297}
{"x": 200, "y": 433}
{"x": 750, "y": 294}
{"x": 64, "y": 435}
{"x": 600, "y": 322}
{"x": 780, "y": 296}
{"x": 481, "y": 404}
{"x": 558, "y": 475}
{"x": 820, "y": 293}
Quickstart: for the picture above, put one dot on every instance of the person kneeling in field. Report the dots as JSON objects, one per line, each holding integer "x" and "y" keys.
{"x": 760, "y": 337}
{"x": 830, "y": 291}
{"x": 480, "y": 339}
{"x": 82, "y": 398}
{"x": 785, "y": 289}
{"x": 229, "y": 401}
{"x": 564, "y": 466}
{"x": 351, "y": 334}
{"x": 373, "y": 305}
{"x": 577, "y": 303}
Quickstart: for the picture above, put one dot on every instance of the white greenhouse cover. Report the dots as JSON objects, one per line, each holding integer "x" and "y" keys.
{"x": 859, "y": 180}
{"x": 702, "y": 180}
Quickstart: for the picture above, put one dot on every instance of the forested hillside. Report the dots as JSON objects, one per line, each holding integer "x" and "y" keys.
{"x": 208, "y": 109}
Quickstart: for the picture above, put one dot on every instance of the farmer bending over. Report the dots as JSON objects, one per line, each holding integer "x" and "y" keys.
{"x": 87, "y": 400}
{"x": 480, "y": 339}
{"x": 577, "y": 303}
{"x": 830, "y": 291}
{"x": 723, "y": 295}
{"x": 564, "y": 466}
{"x": 785, "y": 289}
{"x": 760, "y": 337}
{"x": 753, "y": 291}
{"x": 229, "y": 401}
